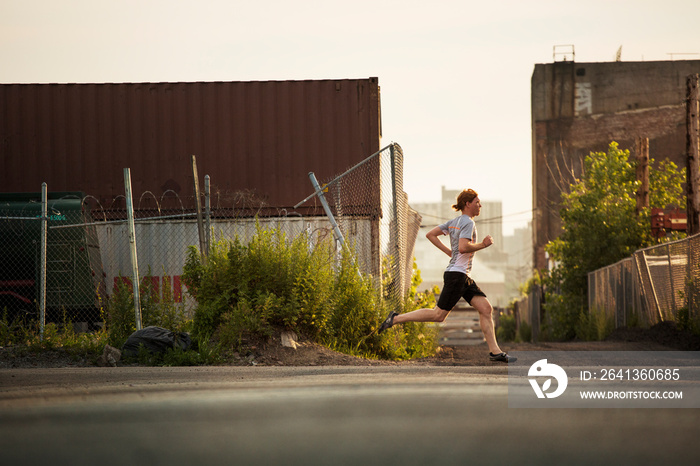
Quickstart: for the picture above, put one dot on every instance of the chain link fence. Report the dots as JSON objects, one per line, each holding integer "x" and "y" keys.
{"x": 656, "y": 284}
{"x": 370, "y": 196}
{"x": 73, "y": 271}
{"x": 88, "y": 244}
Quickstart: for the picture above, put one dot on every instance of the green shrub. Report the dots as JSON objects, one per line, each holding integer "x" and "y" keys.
{"x": 174, "y": 357}
{"x": 121, "y": 321}
{"x": 525, "y": 332}
{"x": 56, "y": 336}
{"x": 595, "y": 325}
{"x": 248, "y": 292}
{"x": 16, "y": 330}
{"x": 686, "y": 322}
{"x": 691, "y": 297}
{"x": 562, "y": 312}
{"x": 157, "y": 310}
{"x": 506, "y": 330}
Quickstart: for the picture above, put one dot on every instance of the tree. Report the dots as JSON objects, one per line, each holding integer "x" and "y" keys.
{"x": 601, "y": 226}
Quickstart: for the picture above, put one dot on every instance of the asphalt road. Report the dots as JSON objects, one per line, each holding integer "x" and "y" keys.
{"x": 316, "y": 415}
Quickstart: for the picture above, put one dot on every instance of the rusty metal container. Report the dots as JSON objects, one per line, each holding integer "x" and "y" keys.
{"x": 260, "y": 138}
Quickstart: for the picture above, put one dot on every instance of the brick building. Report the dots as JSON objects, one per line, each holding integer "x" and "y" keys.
{"x": 578, "y": 108}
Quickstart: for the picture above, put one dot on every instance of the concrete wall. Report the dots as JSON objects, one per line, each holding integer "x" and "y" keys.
{"x": 578, "y": 108}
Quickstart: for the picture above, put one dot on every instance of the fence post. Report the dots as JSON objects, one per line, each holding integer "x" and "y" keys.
{"x": 327, "y": 209}
{"x": 42, "y": 266}
{"x": 670, "y": 276}
{"x": 200, "y": 224}
{"x": 653, "y": 288}
{"x": 207, "y": 212}
{"x": 132, "y": 245}
{"x": 399, "y": 266}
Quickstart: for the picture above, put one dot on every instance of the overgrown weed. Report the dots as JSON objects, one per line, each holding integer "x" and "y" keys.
{"x": 249, "y": 291}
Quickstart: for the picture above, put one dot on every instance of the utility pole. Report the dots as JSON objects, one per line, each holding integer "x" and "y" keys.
{"x": 693, "y": 151}
{"x": 642, "y": 174}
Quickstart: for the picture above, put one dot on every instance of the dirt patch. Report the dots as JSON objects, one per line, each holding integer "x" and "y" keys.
{"x": 662, "y": 337}
{"x": 306, "y": 354}
{"x": 22, "y": 357}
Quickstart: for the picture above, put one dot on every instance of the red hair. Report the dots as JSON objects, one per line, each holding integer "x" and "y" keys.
{"x": 468, "y": 195}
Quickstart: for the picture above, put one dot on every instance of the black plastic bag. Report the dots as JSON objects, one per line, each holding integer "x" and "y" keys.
{"x": 155, "y": 340}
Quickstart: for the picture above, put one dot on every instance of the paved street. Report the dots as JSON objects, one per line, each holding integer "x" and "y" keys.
{"x": 315, "y": 415}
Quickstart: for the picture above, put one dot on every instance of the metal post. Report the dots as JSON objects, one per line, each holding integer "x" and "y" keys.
{"x": 326, "y": 208}
{"x": 42, "y": 266}
{"x": 207, "y": 210}
{"x": 132, "y": 245}
{"x": 653, "y": 288}
{"x": 399, "y": 266}
{"x": 198, "y": 205}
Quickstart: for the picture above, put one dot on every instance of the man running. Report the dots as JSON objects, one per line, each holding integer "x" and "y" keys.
{"x": 457, "y": 280}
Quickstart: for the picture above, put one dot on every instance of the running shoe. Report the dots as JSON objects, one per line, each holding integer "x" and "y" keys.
{"x": 388, "y": 322}
{"x": 502, "y": 357}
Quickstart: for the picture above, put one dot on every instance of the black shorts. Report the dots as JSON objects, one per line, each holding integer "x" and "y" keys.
{"x": 457, "y": 285}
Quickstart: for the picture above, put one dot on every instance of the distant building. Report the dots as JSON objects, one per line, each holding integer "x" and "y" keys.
{"x": 518, "y": 248}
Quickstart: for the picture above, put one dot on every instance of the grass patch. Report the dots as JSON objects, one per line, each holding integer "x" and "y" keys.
{"x": 595, "y": 325}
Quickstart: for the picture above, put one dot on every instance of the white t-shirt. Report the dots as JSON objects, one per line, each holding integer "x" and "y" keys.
{"x": 460, "y": 227}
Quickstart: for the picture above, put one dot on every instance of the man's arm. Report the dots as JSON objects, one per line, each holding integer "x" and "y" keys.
{"x": 466, "y": 246}
{"x": 432, "y": 236}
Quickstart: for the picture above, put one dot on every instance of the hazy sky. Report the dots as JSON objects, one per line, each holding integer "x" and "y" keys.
{"x": 454, "y": 75}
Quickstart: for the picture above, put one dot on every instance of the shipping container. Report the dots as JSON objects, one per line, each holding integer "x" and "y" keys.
{"x": 261, "y": 138}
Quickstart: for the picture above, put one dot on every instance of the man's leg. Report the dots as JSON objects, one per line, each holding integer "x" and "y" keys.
{"x": 422, "y": 315}
{"x": 483, "y": 306}
{"x": 451, "y": 292}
